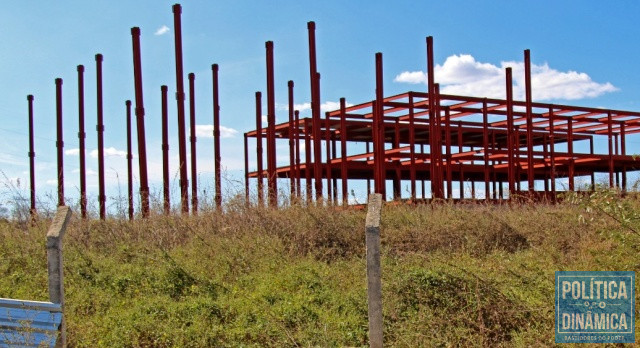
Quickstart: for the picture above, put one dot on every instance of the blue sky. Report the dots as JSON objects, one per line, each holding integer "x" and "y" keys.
{"x": 583, "y": 49}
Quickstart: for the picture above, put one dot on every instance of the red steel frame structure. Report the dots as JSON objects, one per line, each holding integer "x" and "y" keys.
{"x": 471, "y": 140}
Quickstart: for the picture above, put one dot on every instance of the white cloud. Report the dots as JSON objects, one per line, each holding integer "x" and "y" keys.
{"x": 326, "y": 106}
{"x": 206, "y": 131}
{"x": 162, "y": 30}
{"x": 72, "y": 152}
{"x": 109, "y": 152}
{"x": 462, "y": 74}
{"x": 88, "y": 172}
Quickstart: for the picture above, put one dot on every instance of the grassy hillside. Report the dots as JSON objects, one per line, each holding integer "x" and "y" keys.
{"x": 453, "y": 275}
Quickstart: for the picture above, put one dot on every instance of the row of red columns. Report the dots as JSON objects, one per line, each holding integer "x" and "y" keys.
{"x": 139, "y": 112}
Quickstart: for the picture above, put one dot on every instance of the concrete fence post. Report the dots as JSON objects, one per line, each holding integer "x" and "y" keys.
{"x": 54, "y": 262}
{"x": 374, "y": 282}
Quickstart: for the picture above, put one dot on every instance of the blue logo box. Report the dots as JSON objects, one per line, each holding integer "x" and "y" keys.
{"x": 595, "y": 307}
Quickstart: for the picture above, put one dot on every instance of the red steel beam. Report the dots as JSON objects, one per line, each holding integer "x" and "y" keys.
{"x": 139, "y": 110}
{"x": 271, "y": 123}
{"x": 102, "y": 198}
{"x": 510, "y": 131}
{"x": 165, "y": 149}
{"x": 192, "y": 141}
{"x": 485, "y": 144}
{"x": 412, "y": 145}
{"x": 380, "y": 186}
{"x": 307, "y": 160}
{"x": 129, "y": 161}
{"x": 81, "y": 139}
{"x": 432, "y": 115}
{"x": 182, "y": 143}
{"x": 315, "y": 108}
{"x": 327, "y": 141}
{"x": 32, "y": 159}
{"x": 217, "y": 162}
{"x": 297, "y": 152}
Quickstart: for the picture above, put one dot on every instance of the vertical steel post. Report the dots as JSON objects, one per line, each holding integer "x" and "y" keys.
{"x": 292, "y": 174}
{"x": 182, "y": 143}
{"x": 412, "y": 148}
{"x": 327, "y": 141}
{"x": 617, "y": 174}
{"x": 460, "y": 167}
{"x": 552, "y": 152}
{"x": 246, "y": 171}
{"x": 510, "y": 131}
{"x": 570, "y": 148}
{"x": 447, "y": 114}
{"x": 610, "y": 140}
{"x": 432, "y": 116}
{"x": 217, "y": 163}
{"x": 315, "y": 109}
{"x": 272, "y": 181}
{"x": 623, "y": 151}
{"x": 485, "y": 144}
{"x": 59, "y": 141}
{"x": 102, "y": 198}
{"x": 397, "y": 187}
{"x": 439, "y": 184}
{"x": 296, "y": 114}
{"x": 259, "y": 148}
{"x": 527, "y": 82}
{"x": 165, "y": 149}
{"x": 367, "y": 149}
{"x": 192, "y": 141}
{"x": 81, "y": 138}
{"x": 343, "y": 151}
{"x": 129, "y": 161}
{"x": 593, "y": 175}
{"x": 380, "y": 136}
{"x": 139, "y": 110}
{"x": 32, "y": 159}
{"x": 307, "y": 160}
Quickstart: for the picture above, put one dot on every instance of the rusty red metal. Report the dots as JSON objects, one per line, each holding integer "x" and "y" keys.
{"x": 292, "y": 178}
{"x": 259, "y": 150}
{"x": 272, "y": 182}
{"x": 32, "y": 159}
{"x": 139, "y": 111}
{"x": 59, "y": 142}
{"x": 192, "y": 141}
{"x": 182, "y": 143}
{"x": 217, "y": 158}
{"x": 102, "y": 198}
{"x": 314, "y": 79}
{"x": 81, "y": 140}
{"x": 129, "y": 161}
{"x": 164, "y": 90}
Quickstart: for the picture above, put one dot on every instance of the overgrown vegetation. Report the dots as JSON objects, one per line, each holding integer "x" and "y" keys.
{"x": 453, "y": 275}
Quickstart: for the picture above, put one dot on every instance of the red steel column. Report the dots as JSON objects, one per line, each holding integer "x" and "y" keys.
{"x": 510, "y": 130}
{"x": 412, "y": 150}
{"x": 32, "y": 159}
{"x": 447, "y": 114}
{"x": 259, "y": 148}
{"x": 343, "y": 151}
{"x": 432, "y": 115}
{"x": 327, "y": 141}
{"x": 437, "y": 146}
{"x": 397, "y": 186}
{"x": 59, "y": 141}
{"x": 297, "y": 146}
{"x": 367, "y": 149}
{"x": 307, "y": 159}
{"x": 315, "y": 109}
{"x": 461, "y": 166}
{"x": 192, "y": 141}
{"x": 165, "y": 150}
{"x": 246, "y": 170}
{"x": 182, "y": 143}
{"x": 610, "y": 139}
{"x": 623, "y": 151}
{"x": 272, "y": 181}
{"x": 81, "y": 138}
{"x": 142, "y": 149}
{"x": 102, "y": 198}
{"x": 129, "y": 161}
{"x": 485, "y": 143}
{"x": 552, "y": 156}
{"x": 593, "y": 175}
{"x": 216, "y": 139}
{"x": 527, "y": 82}
{"x": 380, "y": 139}
{"x": 292, "y": 173}
{"x": 571, "y": 162}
